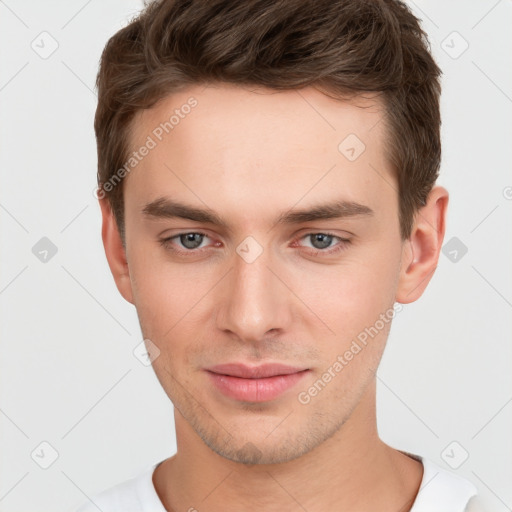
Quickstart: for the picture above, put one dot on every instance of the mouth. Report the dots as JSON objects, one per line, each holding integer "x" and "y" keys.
{"x": 257, "y": 383}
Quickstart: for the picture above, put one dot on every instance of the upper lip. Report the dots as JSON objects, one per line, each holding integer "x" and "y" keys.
{"x": 254, "y": 372}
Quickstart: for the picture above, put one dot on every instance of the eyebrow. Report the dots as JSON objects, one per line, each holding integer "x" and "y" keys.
{"x": 167, "y": 209}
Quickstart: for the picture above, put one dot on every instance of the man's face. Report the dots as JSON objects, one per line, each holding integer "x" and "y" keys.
{"x": 255, "y": 291}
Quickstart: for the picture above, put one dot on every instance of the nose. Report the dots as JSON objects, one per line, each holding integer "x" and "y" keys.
{"x": 255, "y": 299}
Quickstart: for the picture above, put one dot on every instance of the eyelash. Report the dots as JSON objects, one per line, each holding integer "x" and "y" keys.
{"x": 344, "y": 242}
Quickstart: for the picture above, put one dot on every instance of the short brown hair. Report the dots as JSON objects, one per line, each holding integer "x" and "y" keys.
{"x": 342, "y": 47}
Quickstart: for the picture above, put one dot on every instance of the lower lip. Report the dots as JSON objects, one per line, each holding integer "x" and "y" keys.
{"x": 255, "y": 390}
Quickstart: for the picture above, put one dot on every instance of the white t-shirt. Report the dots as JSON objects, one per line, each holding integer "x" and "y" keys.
{"x": 440, "y": 491}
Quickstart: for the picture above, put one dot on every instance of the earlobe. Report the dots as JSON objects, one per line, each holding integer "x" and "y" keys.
{"x": 115, "y": 252}
{"x": 420, "y": 253}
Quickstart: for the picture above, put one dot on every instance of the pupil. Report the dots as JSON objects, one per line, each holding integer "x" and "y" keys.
{"x": 324, "y": 240}
{"x": 190, "y": 241}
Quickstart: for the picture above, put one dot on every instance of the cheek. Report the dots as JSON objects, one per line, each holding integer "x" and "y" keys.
{"x": 163, "y": 293}
{"x": 347, "y": 296}
{"x": 164, "y": 298}
{"x": 351, "y": 296}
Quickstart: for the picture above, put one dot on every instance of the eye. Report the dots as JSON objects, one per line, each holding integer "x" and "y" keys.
{"x": 322, "y": 243}
{"x": 188, "y": 242}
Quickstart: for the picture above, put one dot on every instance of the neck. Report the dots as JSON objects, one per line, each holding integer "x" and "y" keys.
{"x": 352, "y": 470}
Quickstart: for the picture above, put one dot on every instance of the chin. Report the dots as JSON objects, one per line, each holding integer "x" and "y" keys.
{"x": 263, "y": 448}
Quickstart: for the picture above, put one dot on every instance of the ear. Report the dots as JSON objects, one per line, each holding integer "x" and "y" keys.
{"x": 420, "y": 252}
{"x": 114, "y": 250}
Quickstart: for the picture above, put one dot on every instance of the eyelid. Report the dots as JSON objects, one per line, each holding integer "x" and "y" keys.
{"x": 345, "y": 236}
{"x": 343, "y": 242}
{"x": 166, "y": 242}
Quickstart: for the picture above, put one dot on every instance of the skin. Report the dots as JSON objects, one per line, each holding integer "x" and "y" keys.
{"x": 250, "y": 154}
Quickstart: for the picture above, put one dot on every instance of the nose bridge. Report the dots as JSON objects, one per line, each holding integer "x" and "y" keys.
{"x": 255, "y": 301}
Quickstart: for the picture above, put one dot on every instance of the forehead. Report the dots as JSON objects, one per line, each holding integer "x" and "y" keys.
{"x": 220, "y": 110}
{"x": 224, "y": 146}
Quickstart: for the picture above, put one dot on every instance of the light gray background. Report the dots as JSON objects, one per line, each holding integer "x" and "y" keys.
{"x": 68, "y": 374}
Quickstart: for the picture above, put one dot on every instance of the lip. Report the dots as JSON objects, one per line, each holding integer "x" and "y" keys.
{"x": 254, "y": 372}
{"x": 257, "y": 383}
